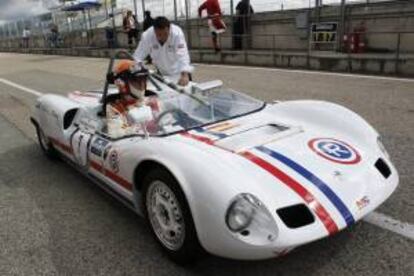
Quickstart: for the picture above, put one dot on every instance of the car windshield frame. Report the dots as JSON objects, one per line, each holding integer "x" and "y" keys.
{"x": 260, "y": 107}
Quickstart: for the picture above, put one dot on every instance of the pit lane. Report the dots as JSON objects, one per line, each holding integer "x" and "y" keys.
{"x": 54, "y": 221}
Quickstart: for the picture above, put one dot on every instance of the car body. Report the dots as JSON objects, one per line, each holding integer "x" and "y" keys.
{"x": 258, "y": 179}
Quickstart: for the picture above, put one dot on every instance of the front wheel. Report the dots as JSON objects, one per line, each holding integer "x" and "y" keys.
{"x": 170, "y": 218}
{"x": 45, "y": 144}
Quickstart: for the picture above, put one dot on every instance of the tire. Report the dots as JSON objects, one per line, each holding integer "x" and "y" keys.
{"x": 45, "y": 144}
{"x": 164, "y": 200}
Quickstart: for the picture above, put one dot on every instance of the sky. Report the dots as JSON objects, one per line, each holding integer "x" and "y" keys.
{"x": 17, "y": 9}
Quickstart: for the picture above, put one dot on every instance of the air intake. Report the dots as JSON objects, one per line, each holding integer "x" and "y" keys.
{"x": 383, "y": 168}
{"x": 296, "y": 216}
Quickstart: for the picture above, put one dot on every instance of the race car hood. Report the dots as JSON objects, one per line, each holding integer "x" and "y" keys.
{"x": 339, "y": 177}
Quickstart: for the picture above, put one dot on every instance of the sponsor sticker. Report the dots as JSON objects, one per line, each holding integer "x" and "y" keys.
{"x": 362, "y": 203}
{"x": 98, "y": 146}
{"x": 335, "y": 150}
{"x": 114, "y": 161}
{"x": 222, "y": 127}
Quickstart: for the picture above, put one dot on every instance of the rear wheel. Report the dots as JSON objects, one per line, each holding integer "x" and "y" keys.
{"x": 170, "y": 218}
{"x": 45, "y": 144}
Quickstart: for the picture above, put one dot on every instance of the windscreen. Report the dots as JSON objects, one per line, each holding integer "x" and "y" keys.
{"x": 184, "y": 111}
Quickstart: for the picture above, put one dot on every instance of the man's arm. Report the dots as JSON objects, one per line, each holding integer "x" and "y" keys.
{"x": 144, "y": 48}
{"x": 201, "y": 8}
{"x": 183, "y": 58}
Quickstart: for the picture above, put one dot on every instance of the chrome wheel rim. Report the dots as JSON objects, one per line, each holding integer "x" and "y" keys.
{"x": 165, "y": 215}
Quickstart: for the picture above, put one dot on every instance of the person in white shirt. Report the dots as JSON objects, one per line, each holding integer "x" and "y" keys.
{"x": 165, "y": 43}
{"x": 26, "y": 36}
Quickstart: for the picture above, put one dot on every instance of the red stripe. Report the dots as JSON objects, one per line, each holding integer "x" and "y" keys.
{"x": 199, "y": 138}
{"x": 316, "y": 206}
{"x": 62, "y": 146}
{"x": 320, "y": 211}
{"x": 116, "y": 178}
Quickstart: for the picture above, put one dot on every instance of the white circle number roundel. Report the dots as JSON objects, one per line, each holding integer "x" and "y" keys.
{"x": 335, "y": 150}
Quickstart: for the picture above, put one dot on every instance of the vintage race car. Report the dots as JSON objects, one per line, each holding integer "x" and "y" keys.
{"x": 223, "y": 172}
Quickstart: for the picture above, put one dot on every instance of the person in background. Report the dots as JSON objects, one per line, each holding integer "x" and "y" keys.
{"x": 148, "y": 21}
{"x": 215, "y": 23}
{"x": 110, "y": 32}
{"x": 130, "y": 25}
{"x": 26, "y": 37}
{"x": 165, "y": 43}
{"x": 54, "y": 35}
{"x": 241, "y": 23}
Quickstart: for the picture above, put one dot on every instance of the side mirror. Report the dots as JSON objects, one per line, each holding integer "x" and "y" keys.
{"x": 209, "y": 86}
{"x": 140, "y": 115}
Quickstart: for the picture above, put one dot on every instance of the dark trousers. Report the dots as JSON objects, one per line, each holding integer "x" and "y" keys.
{"x": 132, "y": 34}
{"x": 110, "y": 37}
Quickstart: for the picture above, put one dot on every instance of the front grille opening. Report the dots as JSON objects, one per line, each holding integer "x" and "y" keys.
{"x": 383, "y": 168}
{"x": 296, "y": 216}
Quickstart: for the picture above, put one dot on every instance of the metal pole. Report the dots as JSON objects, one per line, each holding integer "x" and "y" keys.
{"x": 86, "y": 26}
{"x": 175, "y": 10}
{"x": 89, "y": 19}
{"x": 231, "y": 8}
{"x": 186, "y": 24}
{"x": 135, "y": 9}
{"x": 113, "y": 25}
{"x": 342, "y": 25}
{"x": 143, "y": 8}
{"x": 318, "y": 11}
{"x": 106, "y": 8}
{"x": 397, "y": 59}
{"x": 248, "y": 26}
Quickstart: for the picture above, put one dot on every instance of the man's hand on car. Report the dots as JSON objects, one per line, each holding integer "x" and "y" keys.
{"x": 184, "y": 79}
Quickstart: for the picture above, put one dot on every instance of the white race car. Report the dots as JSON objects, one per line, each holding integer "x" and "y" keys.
{"x": 225, "y": 173}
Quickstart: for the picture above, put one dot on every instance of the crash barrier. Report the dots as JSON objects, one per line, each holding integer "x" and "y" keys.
{"x": 383, "y": 64}
{"x": 373, "y": 53}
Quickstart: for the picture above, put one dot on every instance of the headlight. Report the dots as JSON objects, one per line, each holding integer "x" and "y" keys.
{"x": 240, "y": 213}
{"x": 382, "y": 148}
{"x": 249, "y": 219}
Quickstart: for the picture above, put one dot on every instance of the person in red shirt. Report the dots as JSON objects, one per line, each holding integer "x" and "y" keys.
{"x": 215, "y": 22}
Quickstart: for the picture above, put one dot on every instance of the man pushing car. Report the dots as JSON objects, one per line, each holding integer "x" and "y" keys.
{"x": 165, "y": 43}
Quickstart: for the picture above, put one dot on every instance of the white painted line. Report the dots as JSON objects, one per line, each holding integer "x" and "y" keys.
{"x": 393, "y": 225}
{"x": 309, "y": 72}
{"x": 21, "y": 87}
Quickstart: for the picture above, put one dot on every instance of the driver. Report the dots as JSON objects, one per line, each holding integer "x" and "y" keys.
{"x": 131, "y": 80}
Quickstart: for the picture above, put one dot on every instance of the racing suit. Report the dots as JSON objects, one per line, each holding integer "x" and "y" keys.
{"x": 117, "y": 116}
{"x": 171, "y": 58}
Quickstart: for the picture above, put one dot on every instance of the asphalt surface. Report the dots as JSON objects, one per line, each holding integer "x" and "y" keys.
{"x": 53, "y": 221}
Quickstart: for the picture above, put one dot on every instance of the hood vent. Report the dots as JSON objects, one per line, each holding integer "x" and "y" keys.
{"x": 296, "y": 216}
{"x": 383, "y": 168}
{"x": 257, "y": 136}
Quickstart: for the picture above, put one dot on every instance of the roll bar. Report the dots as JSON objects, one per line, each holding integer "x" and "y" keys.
{"x": 118, "y": 54}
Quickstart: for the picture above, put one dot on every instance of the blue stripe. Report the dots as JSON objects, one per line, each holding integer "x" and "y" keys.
{"x": 323, "y": 187}
{"x": 217, "y": 134}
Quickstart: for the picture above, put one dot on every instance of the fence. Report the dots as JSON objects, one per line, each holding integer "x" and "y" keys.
{"x": 172, "y": 9}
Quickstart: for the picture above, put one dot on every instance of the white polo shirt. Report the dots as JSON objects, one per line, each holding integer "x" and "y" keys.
{"x": 172, "y": 58}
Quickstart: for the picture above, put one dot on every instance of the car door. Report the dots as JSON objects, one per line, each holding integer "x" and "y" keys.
{"x": 81, "y": 138}
{"x": 105, "y": 158}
